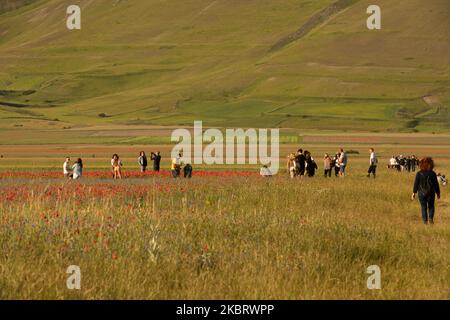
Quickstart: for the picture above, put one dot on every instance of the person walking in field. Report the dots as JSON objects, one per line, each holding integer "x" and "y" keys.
{"x": 156, "y": 158}
{"x": 142, "y": 160}
{"x": 413, "y": 163}
{"x": 408, "y": 164}
{"x": 300, "y": 163}
{"x": 116, "y": 166}
{"x": 327, "y": 166}
{"x": 311, "y": 165}
{"x": 373, "y": 163}
{"x": 291, "y": 165}
{"x": 342, "y": 162}
{"x": 336, "y": 165}
{"x": 77, "y": 169}
{"x": 187, "y": 171}
{"x": 67, "y": 170}
{"x": 426, "y": 185}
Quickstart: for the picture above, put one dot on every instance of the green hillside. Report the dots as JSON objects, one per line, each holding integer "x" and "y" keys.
{"x": 264, "y": 63}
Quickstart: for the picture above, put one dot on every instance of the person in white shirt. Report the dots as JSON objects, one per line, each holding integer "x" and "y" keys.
{"x": 343, "y": 159}
{"x": 77, "y": 169}
{"x": 373, "y": 162}
{"x": 176, "y": 165}
{"x": 292, "y": 165}
{"x": 66, "y": 168}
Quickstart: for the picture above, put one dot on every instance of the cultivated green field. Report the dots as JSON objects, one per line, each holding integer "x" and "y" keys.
{"x": 227, "y": 63}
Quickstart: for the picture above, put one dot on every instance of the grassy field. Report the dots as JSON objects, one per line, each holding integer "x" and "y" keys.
{"x": 222, "y": 237}
{"x": 226, "y": 234}
{"x": 168, "y": 63}
{"x": 139, "y": 69}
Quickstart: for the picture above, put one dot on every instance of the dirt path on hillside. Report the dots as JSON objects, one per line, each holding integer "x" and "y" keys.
{"x": 313, "y": 22}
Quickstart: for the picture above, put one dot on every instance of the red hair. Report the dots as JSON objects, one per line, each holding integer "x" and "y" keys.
{"x": 426, "y": 164}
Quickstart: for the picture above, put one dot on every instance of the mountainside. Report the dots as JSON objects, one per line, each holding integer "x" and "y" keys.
{"x": 254, "y": 63}
{"x": 6, "y": 5}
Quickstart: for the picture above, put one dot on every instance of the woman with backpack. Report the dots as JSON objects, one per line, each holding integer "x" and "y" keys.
{"x": 426, "y": 186}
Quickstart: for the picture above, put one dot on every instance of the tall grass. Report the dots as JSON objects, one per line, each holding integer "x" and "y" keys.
{"x": 230, "y": 238}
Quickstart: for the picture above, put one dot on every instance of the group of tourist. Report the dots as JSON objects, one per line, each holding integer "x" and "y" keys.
{"x": 177, "y": 165}
{"x": 302, "y": 163}
{"x": 404, "y": 163}
{"x": 75, "y": 170}
{"x": 426, "y": 184}
{"x": 154, "y": 156}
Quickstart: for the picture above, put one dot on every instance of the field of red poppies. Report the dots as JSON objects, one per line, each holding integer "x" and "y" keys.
{"x": 96, "y": 184}
{"x": 221, "y": 234}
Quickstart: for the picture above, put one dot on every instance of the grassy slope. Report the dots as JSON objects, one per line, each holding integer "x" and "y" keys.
{"x": 159, "y": 62}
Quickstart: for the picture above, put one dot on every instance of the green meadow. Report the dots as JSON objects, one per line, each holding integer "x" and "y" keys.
{"x": 227, "y": 63}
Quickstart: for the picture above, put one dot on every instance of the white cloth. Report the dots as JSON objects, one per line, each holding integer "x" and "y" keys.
{"x": 66, "y": 167}
{"x": 77, "y": 171}
{"x": 265, "y": 172}
{"x": 373, "y": 159}
{"x": 343, "y": 159}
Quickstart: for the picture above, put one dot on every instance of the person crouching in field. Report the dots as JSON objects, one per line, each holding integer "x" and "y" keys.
{"x": 441, "y": 179}
{"x": 67, "y": 170}
{"x": 77, "y": 169}
{"x": 426, "y": 185}
{"x": 265, "y": 172}
{"x": 116, "y": 166}
{"x": 373, "y": 162}
{"x": 142, "y": 160}
{"x": 176, "y": 166}
{"x": 327, "y": 165}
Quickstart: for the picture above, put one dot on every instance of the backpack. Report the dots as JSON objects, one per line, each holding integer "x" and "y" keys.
{"x": 426, "y": 186}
